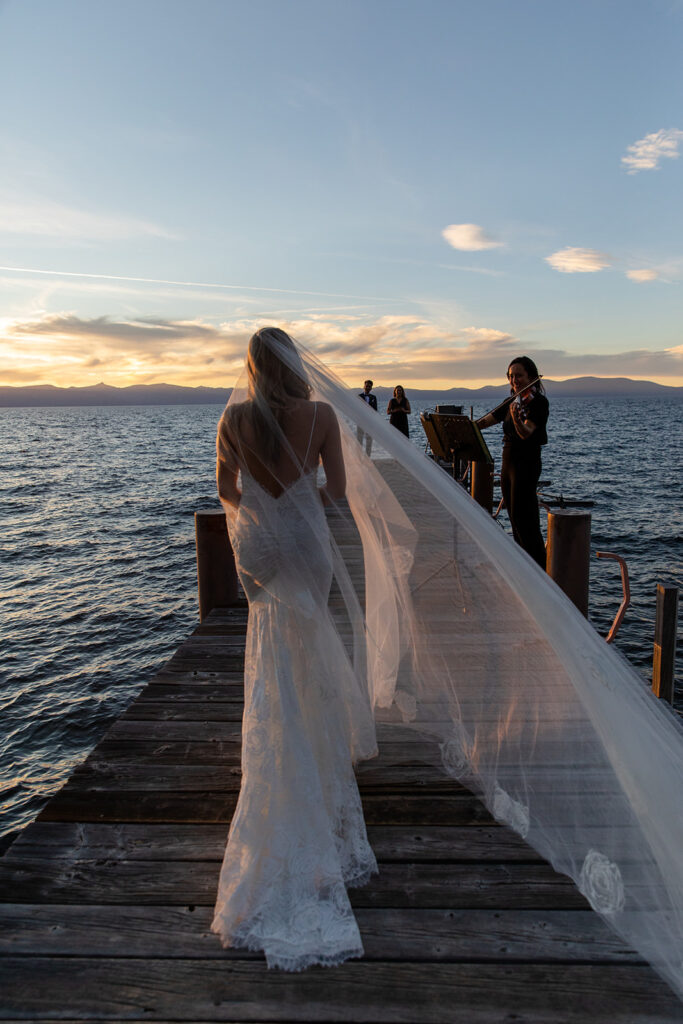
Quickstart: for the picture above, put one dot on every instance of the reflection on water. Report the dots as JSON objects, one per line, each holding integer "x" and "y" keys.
{"x": 98, "y": 577}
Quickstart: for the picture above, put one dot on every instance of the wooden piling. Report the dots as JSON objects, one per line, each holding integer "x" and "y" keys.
{"x": 568, "y": 553}
{"x": 216, "y": 573}
{"x": 664, "y": 655}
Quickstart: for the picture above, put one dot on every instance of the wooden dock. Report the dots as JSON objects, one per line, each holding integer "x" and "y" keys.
{"x": 107, "y": 898}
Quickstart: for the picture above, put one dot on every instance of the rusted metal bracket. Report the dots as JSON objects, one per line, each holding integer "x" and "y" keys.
{"x": 626, "y": 592}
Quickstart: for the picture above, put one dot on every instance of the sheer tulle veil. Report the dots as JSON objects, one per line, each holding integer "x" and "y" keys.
{"x": 463, "y": 641}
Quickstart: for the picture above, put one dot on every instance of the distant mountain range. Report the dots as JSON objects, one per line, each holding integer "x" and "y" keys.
{"x": 171, "y": 394}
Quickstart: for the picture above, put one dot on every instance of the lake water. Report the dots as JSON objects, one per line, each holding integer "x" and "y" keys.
{"x": 98, "y": 575}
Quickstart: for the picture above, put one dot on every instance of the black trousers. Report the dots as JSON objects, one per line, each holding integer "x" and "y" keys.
{"x": 519, "y": 478}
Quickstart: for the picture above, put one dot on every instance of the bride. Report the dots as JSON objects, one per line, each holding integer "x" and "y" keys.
{"x": 462, "y": 643}
{"x": 298, "y": 836}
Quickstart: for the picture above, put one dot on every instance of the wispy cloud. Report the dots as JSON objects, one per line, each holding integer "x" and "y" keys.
{"x": 49, "y": 219}
{"x": 486, "y": 336}
{"x": 486, "y": 271}
{"x": 191, "y": 284}
{"x": 32, "y": 295}
{"x": 646, "y": 153}
{"x": 64, "y": 349}
{"x": 578, "y": 261}
{"x": 146, "y": 330}
{"x": 409, "y": 261}
{"x": 415, "y": 351}
{"x": 641, "y": 276}
{"x": 469, "y": 237}
{"x": 668, "y": 271}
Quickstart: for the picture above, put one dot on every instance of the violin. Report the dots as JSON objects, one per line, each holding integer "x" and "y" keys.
{"x": 519, "y": 398}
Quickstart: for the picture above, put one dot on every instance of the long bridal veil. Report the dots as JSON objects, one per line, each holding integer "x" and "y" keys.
{"x": 461, "y": 639}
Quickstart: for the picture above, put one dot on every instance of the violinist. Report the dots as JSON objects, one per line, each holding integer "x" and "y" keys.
{"x": 524, "y": 417}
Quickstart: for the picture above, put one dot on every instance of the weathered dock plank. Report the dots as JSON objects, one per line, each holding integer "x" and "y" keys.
{"x": 91, "y": 842}
{"x": 106, "y": 900}
{"x": 102, "y": 775}
{"x": 227, "y": 777}
{"x": 397, "y": 933}
{"x": 373, "y": 991}
{"x": 405, "y": 884}
{"x": 397, "y": 808}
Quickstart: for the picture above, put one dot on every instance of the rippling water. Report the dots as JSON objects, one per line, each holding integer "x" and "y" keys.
{"x": 98, "y": 576}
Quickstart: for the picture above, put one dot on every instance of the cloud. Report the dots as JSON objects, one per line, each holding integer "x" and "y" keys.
{"x": 16, "y": 376}
{"x": 71, "y": 289}
{"x": 642, "y": 275}
{"x": 471, "y": 270}
{"x": 487, "y": 336}
{"x": 469, "y": 237}
{"x": 578, "y": 261}
{"x": 144, "y": 330}
{"x": 645, "y": 154}
{"x": 48, "y": 219}
{"x": 63, "y": 348}
{"x": 83, "y": 275}
{"x": 416, "y": 351}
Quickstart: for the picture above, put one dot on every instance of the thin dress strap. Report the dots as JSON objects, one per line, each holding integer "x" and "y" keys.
{"x": 310, "y": 439}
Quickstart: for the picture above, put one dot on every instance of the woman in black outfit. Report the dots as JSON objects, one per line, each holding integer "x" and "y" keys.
{"x": 524, "y": 422}
{"x": 398, "y": 410}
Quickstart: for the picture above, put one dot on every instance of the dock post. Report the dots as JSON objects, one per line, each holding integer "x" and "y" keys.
{"x": 568, "y": 553}
{"x": 664, "y": 655}
{"x": 482, "y": 484}
{"x": 216, "y": 573}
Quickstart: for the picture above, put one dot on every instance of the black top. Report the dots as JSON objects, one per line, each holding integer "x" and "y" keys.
{"x": 398, "y": 405}
{"x": 398, "y": 414}
{"x": 536, "y": 410}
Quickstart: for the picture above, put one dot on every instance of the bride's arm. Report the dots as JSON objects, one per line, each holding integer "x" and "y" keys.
{"x": 227, "y": 470}
{"x": 332, "y": 459}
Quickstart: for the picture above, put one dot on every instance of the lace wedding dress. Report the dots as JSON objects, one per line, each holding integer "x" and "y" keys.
{"x": 298, "y": 835}
{"x": 466, "y": 645}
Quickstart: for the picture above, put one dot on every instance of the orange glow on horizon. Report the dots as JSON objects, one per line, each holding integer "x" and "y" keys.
{"x": 65, "y": 350}
{"x": 351, "y": 380}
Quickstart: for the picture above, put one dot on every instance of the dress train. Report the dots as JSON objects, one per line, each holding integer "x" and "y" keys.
{"x": 298, "y": 836}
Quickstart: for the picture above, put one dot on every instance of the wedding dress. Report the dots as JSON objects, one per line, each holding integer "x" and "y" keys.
{"x": 462, "y": 641}
{"x": 298, "y": 835}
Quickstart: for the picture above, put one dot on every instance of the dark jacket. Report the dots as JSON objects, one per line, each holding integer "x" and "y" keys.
{"x": 371, "y": 399}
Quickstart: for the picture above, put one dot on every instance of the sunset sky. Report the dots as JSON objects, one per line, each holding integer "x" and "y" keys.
{"x": 417, "y": 189}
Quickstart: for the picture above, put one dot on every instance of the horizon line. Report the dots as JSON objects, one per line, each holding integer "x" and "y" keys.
{"x": 225, "y": 387}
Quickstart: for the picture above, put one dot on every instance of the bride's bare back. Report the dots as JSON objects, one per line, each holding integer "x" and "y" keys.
{"x": 311, "y": 433}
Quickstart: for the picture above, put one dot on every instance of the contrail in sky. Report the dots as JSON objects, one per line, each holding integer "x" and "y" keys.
{"x": 194, "y": 284}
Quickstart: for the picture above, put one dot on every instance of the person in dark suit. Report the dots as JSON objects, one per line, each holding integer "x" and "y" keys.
{"x": 367, "y": 396}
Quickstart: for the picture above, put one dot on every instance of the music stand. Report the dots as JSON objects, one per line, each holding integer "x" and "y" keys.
{"x": 451, "y": 436}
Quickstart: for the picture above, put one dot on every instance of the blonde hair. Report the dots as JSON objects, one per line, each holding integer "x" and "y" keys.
{"x": 272, "y": 385}
{"x": 271, "y": 379}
